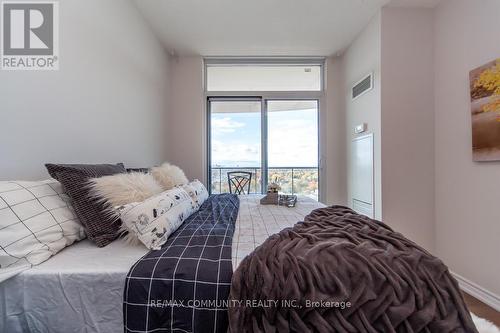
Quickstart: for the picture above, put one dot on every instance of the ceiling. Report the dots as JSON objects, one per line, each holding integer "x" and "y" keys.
{"x": 261, "y": 27}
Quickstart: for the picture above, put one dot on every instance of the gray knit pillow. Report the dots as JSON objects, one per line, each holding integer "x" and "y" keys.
{"x": 101, "y": 228}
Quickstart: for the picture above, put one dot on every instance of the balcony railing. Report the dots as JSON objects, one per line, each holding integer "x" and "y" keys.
{"x": 294, "y": 180}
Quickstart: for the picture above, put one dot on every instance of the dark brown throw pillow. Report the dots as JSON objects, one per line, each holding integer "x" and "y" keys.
{"x": 101, "y": 228}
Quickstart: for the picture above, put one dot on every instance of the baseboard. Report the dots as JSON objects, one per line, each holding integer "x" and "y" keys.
{"x": 478, "y": 292}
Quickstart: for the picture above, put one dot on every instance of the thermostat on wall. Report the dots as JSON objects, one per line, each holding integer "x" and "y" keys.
{"x": 360, "y": 128}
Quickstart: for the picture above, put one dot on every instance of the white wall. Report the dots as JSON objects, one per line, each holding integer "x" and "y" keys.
{"x": 361, "y": 58}
{"x": 107, "y": 103}
{"x": 407, "y": 98}
{"x": 187, "y": 133}
{"x": 419, "y": 111}
{"x": 467, "y": 192}
{"x": 333, "y": 135}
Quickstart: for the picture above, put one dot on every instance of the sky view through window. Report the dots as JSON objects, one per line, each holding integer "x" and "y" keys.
{"x": 292, "y": 136}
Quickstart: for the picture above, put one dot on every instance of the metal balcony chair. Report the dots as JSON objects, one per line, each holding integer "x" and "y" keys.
{"x": 240, "y": 180}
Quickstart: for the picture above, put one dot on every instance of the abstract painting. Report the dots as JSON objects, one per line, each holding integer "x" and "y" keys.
{"x": 485, "y": 111}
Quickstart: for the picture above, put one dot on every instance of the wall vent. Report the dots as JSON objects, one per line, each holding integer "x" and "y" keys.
{"x": 363, "y": 86}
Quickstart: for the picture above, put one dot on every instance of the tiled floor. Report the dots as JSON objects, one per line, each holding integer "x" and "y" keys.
{"x": 482, "y": 310}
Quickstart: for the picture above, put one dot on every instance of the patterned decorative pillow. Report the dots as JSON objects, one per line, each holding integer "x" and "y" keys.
{"x": 197, "y": 191}
{"x": 36, "y": 222}
{"x": 102, "y": 228}
{"x": 156, "y": 218}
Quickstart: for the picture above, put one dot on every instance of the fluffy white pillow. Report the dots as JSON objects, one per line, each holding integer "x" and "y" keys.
{"x": 124, "y": 188}
{"x": 156, "y": 218}
{"x": 36, "y": 222}
{"x": 169, "y": 176}
{"x": 197, "y": 191}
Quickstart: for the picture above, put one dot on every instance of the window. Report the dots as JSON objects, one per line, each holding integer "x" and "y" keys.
{"x": 235, "y": 141}
{"x": 285, "y": 152}
{"x": 263, "y": 120}
{"x": 292, "y": 145}
{"x": 293, "y": 77}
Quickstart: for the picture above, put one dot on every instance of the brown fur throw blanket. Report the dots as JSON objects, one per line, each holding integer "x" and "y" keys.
{"x": 343, "y": 272}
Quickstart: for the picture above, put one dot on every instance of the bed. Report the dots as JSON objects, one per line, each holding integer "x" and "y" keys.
{"x": 81, "y": 288}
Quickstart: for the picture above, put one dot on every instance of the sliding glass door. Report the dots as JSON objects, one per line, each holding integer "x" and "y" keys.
{"x": 292, "y": 146}
{"x": 274, "y": 140}
{"x": 235, "y": 141}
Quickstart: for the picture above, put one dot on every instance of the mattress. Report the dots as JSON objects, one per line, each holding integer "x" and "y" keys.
{"x": 81, "y": 288}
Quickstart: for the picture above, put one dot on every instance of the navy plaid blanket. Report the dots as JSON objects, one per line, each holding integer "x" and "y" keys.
{"x": 184, "y": 286}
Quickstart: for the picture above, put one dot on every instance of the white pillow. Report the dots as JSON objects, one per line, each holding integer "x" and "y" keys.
{"x": 169, "y": 176}
{"x": 124, "y": 188}
{"x": 156, "y": 218}
{"x": 197, "y": 191}
{"x": 36, "y": 222}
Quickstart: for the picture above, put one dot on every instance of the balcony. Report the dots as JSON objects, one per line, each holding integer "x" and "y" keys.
{"x": 293, "y": 180}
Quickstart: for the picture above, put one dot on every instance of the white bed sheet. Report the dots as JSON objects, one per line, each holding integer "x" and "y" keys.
{"x": 78, "y": 290}
{"x": 81, "y": 288}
